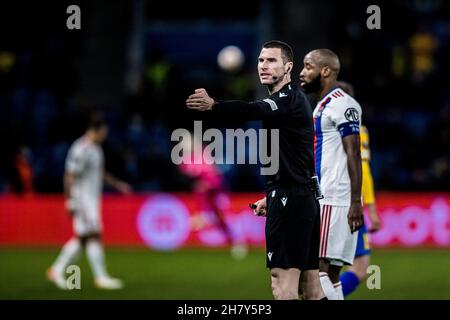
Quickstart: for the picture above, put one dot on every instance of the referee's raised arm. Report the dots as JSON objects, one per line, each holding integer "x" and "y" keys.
{"x": 273, "y": 106}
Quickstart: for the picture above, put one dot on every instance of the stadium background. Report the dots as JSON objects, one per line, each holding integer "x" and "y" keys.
{"x": 136, "y": 62}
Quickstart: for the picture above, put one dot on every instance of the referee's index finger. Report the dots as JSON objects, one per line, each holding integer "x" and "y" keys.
{"x": 196, "y": 95}
{"x": 194, "y": 103}
{"x": 195, "y": 100}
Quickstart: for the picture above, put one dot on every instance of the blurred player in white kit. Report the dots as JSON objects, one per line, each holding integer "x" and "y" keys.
{"x": 83, "y": 184}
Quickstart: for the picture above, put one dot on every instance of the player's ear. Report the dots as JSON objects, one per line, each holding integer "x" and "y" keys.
{"x": 326, "y": 72}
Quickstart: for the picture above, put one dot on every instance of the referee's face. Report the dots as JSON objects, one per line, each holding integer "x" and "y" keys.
{"x": 271, "y": 68}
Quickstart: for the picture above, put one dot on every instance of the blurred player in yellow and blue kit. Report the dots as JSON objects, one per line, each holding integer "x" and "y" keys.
{"x": 358, "y": 271}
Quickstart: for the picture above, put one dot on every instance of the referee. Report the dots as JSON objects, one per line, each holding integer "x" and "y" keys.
{"x": 293, "y": 218}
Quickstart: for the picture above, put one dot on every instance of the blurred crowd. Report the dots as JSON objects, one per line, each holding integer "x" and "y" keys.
{"x": 401, "y": 79}
{"x": 400, "y": 74}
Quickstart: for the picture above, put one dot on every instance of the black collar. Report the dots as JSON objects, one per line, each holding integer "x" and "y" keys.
{"x": 287, "y": 87}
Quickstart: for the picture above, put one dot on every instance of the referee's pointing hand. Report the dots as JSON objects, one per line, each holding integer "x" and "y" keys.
{"x": 200, "y": 100}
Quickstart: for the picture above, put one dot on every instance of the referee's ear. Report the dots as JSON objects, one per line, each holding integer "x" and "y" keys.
{"x": 288, "y": 67}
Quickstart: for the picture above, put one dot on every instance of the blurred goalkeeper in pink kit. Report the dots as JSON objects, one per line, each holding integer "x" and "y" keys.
{"x": 210, "y": 196}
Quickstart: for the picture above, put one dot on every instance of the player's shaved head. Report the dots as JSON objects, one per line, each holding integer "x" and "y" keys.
{"x": 326, "y": 58}
{"x": 320, "y": 71}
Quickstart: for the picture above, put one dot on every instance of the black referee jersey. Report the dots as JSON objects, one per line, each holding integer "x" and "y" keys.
{"x": 289, "y": 111}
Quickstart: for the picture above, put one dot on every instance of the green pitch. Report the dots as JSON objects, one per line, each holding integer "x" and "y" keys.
{"x": 211, "y": 274}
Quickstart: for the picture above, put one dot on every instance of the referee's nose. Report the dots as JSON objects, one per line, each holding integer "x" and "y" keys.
{"x": 262, "y": 65}
{"x": 263, "y": 69}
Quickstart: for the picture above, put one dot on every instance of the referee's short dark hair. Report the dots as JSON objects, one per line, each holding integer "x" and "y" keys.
{"x": 286, "y": 51}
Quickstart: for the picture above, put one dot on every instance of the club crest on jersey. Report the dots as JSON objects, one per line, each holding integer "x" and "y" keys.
{"x": 351, "y": 114}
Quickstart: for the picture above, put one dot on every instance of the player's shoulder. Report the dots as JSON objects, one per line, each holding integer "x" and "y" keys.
{"x": 80, "y": 146}
{"x": 339, "y": 101}
{"x": 353, "y": 103}
{"x": 339, "y": 97}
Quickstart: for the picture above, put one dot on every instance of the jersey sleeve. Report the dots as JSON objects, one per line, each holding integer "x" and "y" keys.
{"x": 365, "y": 146}
{"x": 346, "y": 116}
{"x": 368, "y": 192}
{"x": 257, "y": 110}
{"x": 76, "y": 160}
